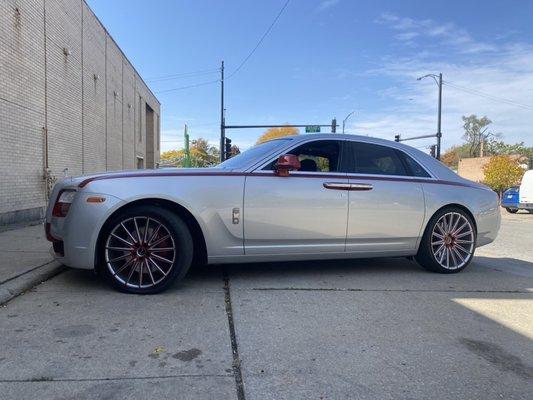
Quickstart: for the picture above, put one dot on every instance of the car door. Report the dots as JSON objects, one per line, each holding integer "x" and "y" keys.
{"x": 303, "y": 213}
{"x": 386, "y": 200}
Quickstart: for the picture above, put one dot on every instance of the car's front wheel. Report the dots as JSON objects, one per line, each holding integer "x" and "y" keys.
{"x": 449, "y": 241}
{"x": 511, "y": 210}
{"x": 144, "y": 249}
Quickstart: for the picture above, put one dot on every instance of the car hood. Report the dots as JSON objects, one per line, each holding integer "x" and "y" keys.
{"x": 79, "y": 180}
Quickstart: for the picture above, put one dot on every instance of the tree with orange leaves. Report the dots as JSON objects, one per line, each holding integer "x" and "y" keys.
{"x": 274, "y": 133}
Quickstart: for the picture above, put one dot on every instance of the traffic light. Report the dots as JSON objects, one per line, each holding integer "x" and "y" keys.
{"x": 432, "y": 151}
{"x": 227, "y": 148}
{"x": 396, "y": 138}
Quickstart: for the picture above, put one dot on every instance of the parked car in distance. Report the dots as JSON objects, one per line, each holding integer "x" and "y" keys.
{"x": 526, "y": 192}
{"x": 510, "y": 199}
{"x": 302, "y": 197}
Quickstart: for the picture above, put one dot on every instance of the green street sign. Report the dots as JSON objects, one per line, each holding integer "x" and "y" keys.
{"x": 312, "y": 129}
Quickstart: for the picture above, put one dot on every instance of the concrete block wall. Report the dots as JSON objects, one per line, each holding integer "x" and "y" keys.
{"x": 128, "y": 116}
{"x": 64, "y": 85}
{"x": 94, "y": 93}
{"x": 22, "y": 107}
{"x": 63, "y": 77}
{"x": 114, "y": 105}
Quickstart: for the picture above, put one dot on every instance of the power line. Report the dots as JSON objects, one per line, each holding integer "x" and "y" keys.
{"x": 183, "y": 75}
{"x": 489, "y": 96}
{"x": 260, "y": 40}
{"x": 188, "y": 86}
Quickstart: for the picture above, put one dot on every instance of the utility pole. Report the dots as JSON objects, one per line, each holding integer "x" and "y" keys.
{"x": 439, "y": 132}
{"x": 187, "y": 160}
{"x": 222, "y": 122}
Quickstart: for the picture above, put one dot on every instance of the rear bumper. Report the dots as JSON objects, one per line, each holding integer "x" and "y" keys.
{"x": 488, "y": 225}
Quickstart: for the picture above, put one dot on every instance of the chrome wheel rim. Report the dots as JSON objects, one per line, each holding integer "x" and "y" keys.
{"x": 452, "y": 241}
{"x": 140, "y": 252}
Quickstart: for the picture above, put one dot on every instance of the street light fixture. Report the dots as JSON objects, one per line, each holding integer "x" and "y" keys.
{"x": 438, "y": 81}
{"x": 345, "y": 119}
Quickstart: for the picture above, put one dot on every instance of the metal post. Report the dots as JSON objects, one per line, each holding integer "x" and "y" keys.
{"x": 187, "y": 160}
{"x": 222, "y": 122}
{"x": 439, "y": 133}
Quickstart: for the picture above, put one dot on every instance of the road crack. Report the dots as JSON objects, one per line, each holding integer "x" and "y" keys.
{"x": 237, "y": 373}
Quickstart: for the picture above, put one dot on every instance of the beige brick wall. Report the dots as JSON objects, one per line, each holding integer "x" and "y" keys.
{"x": 61, "y": 73}
{"x": 94, "y": 94}
{"x": 22, "y": 104}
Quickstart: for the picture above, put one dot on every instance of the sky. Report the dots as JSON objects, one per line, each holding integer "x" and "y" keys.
{"x": 327, "y": 58}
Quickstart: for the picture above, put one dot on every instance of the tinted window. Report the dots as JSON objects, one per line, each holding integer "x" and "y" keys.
{"x": 414, "y": 168}
{"x": 378, "y": 160}
{"x": 317, "y": 156}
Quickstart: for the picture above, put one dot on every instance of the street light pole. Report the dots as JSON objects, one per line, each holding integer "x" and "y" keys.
{"x": 438, "y": 81}
{"x": 222, "y": 122}
{"x": 439, "y": 132}
{"x": 345, "y": 119}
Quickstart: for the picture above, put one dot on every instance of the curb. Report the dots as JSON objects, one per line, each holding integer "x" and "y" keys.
{"x": 24, "y": 282}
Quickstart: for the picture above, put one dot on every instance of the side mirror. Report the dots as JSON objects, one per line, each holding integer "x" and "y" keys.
{"x": 286, "y": 163}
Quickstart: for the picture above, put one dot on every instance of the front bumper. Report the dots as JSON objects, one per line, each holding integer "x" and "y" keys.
{"x": 74, "y": 237}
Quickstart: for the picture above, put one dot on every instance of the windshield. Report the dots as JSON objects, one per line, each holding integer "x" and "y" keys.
{"x": 254, "y": 153}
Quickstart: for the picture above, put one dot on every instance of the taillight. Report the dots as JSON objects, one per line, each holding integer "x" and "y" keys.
{"x": 63, "y": 202}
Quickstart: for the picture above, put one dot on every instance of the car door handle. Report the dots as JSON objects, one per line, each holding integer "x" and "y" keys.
{"x": 361, "y": 186}
{"x": 337, "y": 185}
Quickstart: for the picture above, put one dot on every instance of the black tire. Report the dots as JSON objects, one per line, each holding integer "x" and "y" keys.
{"x": 146, "y": 241}
{"x": 451, "y": 251}
{"x": 511, "y": 210}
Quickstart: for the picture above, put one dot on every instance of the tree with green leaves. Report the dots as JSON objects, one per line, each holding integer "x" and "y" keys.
{"x": 477, "y": 133}
{"x": 202, "y": 155}
{"x": 498, "y": 147}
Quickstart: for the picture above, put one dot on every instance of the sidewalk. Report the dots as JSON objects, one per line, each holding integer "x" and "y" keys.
{"x": 26, "y": 260}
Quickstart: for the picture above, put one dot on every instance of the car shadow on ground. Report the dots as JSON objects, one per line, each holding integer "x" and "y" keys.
{"x": 345, "y": 272}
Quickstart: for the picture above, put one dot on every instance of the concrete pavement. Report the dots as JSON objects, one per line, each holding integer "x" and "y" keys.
{"x": 366, "y": 329}
{"x": 26, "y": 260}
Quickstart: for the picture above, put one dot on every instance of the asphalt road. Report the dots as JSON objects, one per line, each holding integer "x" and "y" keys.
{"x": 365, "y": 329}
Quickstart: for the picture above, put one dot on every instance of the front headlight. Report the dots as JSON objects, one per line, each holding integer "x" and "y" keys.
{"x": 63, "y": 202}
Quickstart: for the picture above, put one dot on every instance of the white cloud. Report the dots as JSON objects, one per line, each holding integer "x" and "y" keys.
{"x": 502, "y": 71}
{"x": 326, "y": 4}
{"x": 449, "y": 33}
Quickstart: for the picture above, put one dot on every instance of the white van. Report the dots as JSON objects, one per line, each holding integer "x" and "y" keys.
{"x": 526, "y": 192}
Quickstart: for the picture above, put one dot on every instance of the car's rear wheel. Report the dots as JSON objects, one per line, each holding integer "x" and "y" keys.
{"x": 449, "y": 242}
{"x": 511, "y": 210}
{"x": 145, "y": 249}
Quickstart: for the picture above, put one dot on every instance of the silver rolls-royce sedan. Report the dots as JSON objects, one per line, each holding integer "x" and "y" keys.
{"x": 302, "y": 197}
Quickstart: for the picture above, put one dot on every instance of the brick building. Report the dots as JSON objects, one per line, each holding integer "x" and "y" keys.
{"x": 472, "y": 168}
{"x": 70, "y": 103}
